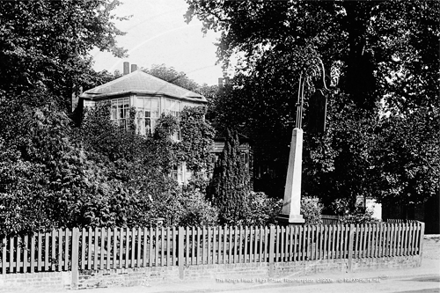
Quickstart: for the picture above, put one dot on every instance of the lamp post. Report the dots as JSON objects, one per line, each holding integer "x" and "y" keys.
{"x": 290, "y": 212}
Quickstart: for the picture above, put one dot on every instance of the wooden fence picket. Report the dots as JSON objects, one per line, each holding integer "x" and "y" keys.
{"x": 150, "y": 258}
{"x": 111, "y": 248}
{"x": 286, "y": 244}
{"x": 213, "y": 245}
{"x": 377, "y": 240}
{"x": 350, "y": 246}
{"x": 67, "y": 235}
{"x": 414, "y": 237}
{"x": 326, "y": 241}
{"x": 60, "y": 249}
{"x": 410, "y": 236}
{"x": 220, "y": 244}
{"x": 399, "y": 239}
{"x": 74, "y": 258}
{"x": 46, "y": 251}
{"x": 225, "y": 236}
{"x": 347, "y": 240}
{"x": 381, "y": 240}
{"x": 405, "y": 239}
{"x": 407, "y": 236}
{"x": 371, "y": 240}
{"x": 4, "y": 243}
{"x": 387, "y": 239}
{"x": 291, "y": 243}
{"x": 180, "y": 256}
{"x": 391, "y": 253}
{"x": 252, "y": 244}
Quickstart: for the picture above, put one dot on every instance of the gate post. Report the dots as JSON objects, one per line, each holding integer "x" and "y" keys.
{"x": 350, "y": 247}
{"x": 271, "y": 251}
{"x": 180, "y": 251}
{"x": 422, "y": 236}
{"x": 75, "y": 245}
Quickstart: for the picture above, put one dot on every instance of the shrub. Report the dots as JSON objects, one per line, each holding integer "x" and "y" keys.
{"x": 357, "y": 214}
{"x": 360, "y": 216}
{"x": 229, "y": 188}
{"x": 262, "y": 210}
{"x": 196, "y": 211}
{"x": 311, "y": 210}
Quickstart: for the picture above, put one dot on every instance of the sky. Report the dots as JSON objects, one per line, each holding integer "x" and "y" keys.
{"x": 157, "y": 34}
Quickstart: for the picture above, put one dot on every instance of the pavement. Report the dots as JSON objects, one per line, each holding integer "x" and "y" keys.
{"x": 425, "y": 278}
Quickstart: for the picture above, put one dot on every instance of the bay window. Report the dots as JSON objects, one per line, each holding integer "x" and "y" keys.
{"x": 120, "y": 112}
{"x": 147, "y": 113}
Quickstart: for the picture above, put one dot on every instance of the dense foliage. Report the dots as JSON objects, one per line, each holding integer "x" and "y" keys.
{"x": 171, "y": 75}
{"x": 262, "y": 210}
{"x": 381, "y": 62}
{"x": 56, "y": 175}
{"x": 311, "y": 210}
{"x": 83, "y": 170}
{"x": 45, "y": 44}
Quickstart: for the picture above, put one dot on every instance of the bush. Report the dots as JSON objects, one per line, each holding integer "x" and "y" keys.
{"x": 361, "y": 216}
{"x": 311, "y": 210}
{"x": 262, "y": 210}
{"x": 196, "y": 211}
{"x": 357, "y": 214}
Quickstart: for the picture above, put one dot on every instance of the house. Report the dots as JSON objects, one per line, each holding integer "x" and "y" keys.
{"x": 149, "y": 95}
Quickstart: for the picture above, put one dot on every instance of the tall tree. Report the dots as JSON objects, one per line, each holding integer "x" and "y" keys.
{"x": 229, "y": 189}
{"x": 387, "y": 57}
{"x": 171, "y": 75}
{"x": 44, "y": 47}
{"x": 46, "y": 44}
{"x": 366, "y": 36}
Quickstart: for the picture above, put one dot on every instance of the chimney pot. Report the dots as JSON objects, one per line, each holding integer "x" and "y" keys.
{"x": 134, "y": 67}
{"x": 126, "y": 68}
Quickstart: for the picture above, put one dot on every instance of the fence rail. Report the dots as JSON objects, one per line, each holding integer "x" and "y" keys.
{"x": 331, "y": 219}
{"x": 113, "y": 248}
{"x": 400, "y": 221}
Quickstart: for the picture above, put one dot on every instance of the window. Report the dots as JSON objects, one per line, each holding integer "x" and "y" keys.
{"x": 175, "y": 114}
{"x": 147, "y": 113}
{"x": 173, "y": 107}
{"x": 120, "y": 112}
{"x": 178, "y": 173}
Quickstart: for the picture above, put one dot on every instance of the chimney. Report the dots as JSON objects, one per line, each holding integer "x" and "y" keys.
{"x": 134, "y": 67}
{"x": 126, "y": 68}
{"x": 220, "y": 82}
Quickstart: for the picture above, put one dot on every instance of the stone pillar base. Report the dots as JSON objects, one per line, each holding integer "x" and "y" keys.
{"x": 290, "y": 219}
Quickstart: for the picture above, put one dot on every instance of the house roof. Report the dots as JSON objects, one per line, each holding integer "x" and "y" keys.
{"x": 141, "y": 83}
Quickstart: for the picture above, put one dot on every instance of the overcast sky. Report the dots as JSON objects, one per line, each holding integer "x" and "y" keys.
{"x": 156, "y": 34}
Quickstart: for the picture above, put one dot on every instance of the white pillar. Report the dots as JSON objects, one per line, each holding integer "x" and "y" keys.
{"x": 292, "y": 194}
